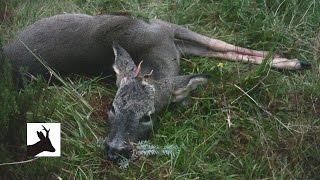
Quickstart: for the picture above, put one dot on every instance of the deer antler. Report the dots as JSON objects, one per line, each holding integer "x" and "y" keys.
{"x": 47, "y": 131}
{"x": 146, "y": 76}
{"x": 137, "y": 71}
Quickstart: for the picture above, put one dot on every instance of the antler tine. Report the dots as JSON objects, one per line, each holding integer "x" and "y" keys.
{"x": 146, "y": 76}
{"x": 47, "y": 131}
{"x": 137, "y": 71}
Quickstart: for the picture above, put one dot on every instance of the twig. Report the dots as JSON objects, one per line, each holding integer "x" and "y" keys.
{"x": 19, "y": 162}
{"x": 261, "y": 80}
{"x": 229, "y": 118}
{"x": 270, "y": 114}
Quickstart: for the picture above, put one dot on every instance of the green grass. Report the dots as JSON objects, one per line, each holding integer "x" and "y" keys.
{"x": 275, "y": 131}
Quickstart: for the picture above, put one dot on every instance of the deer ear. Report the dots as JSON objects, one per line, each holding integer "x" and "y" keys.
{"x": 40, "y": 135}
{"x": 183, "y": 85}
{"x": 123, "y": 63}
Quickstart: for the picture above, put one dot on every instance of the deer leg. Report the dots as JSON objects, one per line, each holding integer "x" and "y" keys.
{"x": 221, "y": 46}
{"x": 188, "y": 36}
{"x": 279, "y": 63}
{"x": 239, "y": 55}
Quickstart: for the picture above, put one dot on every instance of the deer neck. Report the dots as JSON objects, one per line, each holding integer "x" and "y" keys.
{"x": 34, "y": 149}
{"x": 159, "y": 70}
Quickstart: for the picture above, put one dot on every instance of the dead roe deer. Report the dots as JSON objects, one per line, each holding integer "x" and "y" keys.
{"x": 95, "y": 45}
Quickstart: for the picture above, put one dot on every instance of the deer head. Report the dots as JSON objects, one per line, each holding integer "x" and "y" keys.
{"x": 137, "y": 99}
{"x": 43, "y": 145}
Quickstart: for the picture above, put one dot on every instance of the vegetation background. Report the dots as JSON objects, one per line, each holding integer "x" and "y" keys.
{"x": 250, "y": 122}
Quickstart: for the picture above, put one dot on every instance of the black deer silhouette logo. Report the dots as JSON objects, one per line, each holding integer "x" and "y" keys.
{"x": 43, "y": 145}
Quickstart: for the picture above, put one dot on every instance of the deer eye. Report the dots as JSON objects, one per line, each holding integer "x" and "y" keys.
{"x": 112, "y": 107}
{"x": 145, "y": 119}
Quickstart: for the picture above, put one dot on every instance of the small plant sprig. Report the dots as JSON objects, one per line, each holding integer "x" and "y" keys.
{"x": 145, "y": 148}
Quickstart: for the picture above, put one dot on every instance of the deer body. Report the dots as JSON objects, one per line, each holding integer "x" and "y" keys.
{"x": 95, "y": 45}
{"x": 77, "y": 43}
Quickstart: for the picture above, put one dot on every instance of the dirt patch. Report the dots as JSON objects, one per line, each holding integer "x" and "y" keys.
{"x": 302, "y": 104}
{"x": 101, "y": 105}
{"x": 300, "y": 149}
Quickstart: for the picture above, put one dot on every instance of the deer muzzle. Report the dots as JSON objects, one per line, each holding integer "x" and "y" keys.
{"x": 116, "y": 151}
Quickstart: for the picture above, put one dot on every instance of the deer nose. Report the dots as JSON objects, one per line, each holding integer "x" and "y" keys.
{"x": 116, "y": 153}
